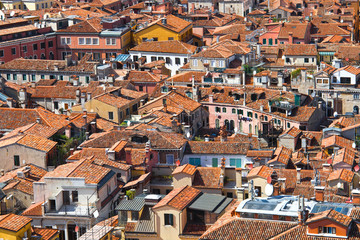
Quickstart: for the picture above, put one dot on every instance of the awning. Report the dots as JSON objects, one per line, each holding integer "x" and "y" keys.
{"x": 326, "y": 53}
{"x": 122, "y": 57}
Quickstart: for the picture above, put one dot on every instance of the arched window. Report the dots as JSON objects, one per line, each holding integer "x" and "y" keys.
{"x": 51, "y": 56}
{"x": 42, "y": 56}
{"x": 232, "y": 125}
{"x": 217, "y": 123}
{"x": 227, "y": 124}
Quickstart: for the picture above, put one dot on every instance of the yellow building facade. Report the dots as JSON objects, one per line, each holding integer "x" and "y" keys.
{"x": 16, "y": 232}
{"x": 27, "y": 5}
{"x": 165, "y": 29}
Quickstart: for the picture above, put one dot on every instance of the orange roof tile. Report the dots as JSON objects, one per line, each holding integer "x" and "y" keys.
{"x": 13, "y": 222}
{"x": 46, "y": 233}
{"x": 341, "y": 174}
{"x": 187, "y": 169}
{"x": 179, "y": 198}
{"x": 336, "y": 140}
{"x": 261, "y": 171}
{"x": 35, "y": 209}
{"x": 331, "y": 215}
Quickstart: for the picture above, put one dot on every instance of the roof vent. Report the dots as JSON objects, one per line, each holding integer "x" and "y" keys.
{"x": 20, "y": 174}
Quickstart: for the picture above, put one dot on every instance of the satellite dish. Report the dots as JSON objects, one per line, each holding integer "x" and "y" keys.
{"x": 269, "y": 180}
{"x": 353, "y": 145}
{"x": 188, "y": 135}
{"x": 269, "y": 190}
{"x": 335, "y": 114}
{"x": 236, "y": 130}
{"x": 12, "y": 13}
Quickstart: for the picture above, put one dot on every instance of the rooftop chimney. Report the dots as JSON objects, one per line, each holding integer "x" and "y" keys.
{"x": 291, "y": 38}
{"x": 298, "y": 175}
{"x": 319, "y": 193}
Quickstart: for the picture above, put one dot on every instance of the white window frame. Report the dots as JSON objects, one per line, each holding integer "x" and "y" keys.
{"x": 195, "y": 62}
{"x": 93, "y": 40}
{"x": 213, "y": 63}
{"x": 65, "y": 40}
{"x": 111, "y": 41}
{"x": 81, "y": 41}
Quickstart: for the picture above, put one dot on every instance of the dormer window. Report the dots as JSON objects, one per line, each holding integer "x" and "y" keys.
{"x": 164, "y": 89}
{"x": 327, "y": 230}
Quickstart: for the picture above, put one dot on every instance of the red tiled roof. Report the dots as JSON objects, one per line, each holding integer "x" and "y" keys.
{"x": 331, "y": 215}
{"x": 35, "y": 209}
{"x": 336, "y": 140}
{"x": 92, "y": 25}
{"x": 15, "y": 117}
{"x": 13, "y": 222}
{"x": 179, "y": 198}
{"x": 46, "y": 233}
{"x": 300, "y": 50}
{"x": 261, "y": 171}
{"x": 245, "y": 229}
{"x": 341, "y": 174}
{"x": 208, "y": 177}
{"x": 187, "y": 168}
{"x": 217, "y": 147}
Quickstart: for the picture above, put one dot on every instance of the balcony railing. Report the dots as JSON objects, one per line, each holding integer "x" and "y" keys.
{"x": 71, "y": 210}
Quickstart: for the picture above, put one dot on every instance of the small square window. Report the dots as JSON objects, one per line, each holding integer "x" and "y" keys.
{"x": 16, "y": 160}
{"x": 169, "y": 219}
{"x": 42, "y": 45}
{"x": 13, "y": 51}
{"x": 111, "y": 115}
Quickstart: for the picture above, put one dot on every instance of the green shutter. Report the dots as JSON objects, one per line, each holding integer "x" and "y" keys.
{"x": 232, "y": 162}
{"x": 195, "y": 161}
{"x": 264, "y": 41}
{"x": 238, "y": 163}
{"x": 270, "y": 41}
{"x": 215, "y": 162}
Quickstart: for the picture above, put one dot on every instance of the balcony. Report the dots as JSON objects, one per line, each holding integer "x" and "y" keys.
{"x": 71, "y": 210}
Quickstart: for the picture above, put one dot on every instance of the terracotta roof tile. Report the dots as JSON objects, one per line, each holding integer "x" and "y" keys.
{"x": 179, "y": 198}
{"x": 187, "y": 168}
{"x": 345, "y": 155}
{"x": 331, "y": 215}
{"x": 217, "y": 147}
{"x": 261, "y": 171}
{"x": 247, "y": 229}
{"x": 35, "y": 209}
{"x": 13, "y": 222}
{"x": 336, "y": 140}
{"x": 300, "y": 50}
{"x": 92, "y": 25}
{"x": 15, "y": 117}
{"x": 260, "y": 153}
{"x": 173, "y": 23}
{"x": 341, "y": 174}
{"x": 46, "y": 233}
{"x": 208, "y": 177}
{"x": 159, "y": 140}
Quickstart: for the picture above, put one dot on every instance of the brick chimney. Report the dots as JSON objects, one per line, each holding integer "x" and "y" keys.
{"x": 319, "y": 193}
{"x": 291, "y": 38}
